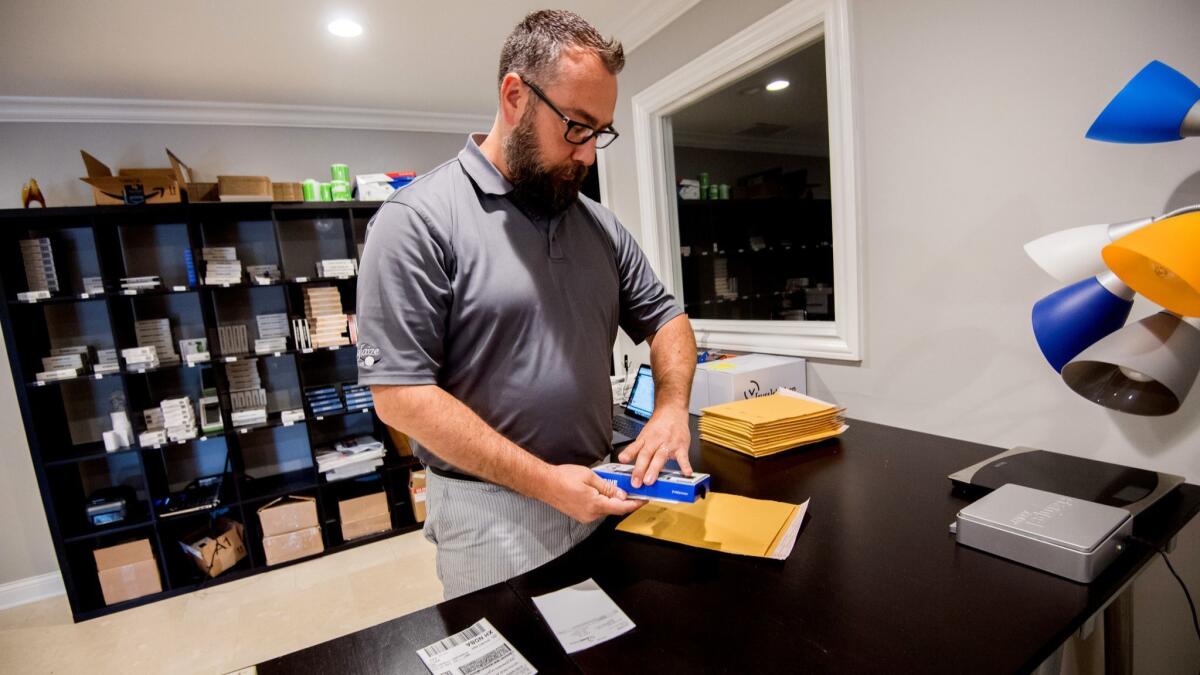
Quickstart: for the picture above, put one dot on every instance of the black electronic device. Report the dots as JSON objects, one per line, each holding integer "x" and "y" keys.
{"x": 202, "y": 494}
{"x": 1092, "y": 480}
{"x": 627, "y": 424}
{"x": 110, "y": 505}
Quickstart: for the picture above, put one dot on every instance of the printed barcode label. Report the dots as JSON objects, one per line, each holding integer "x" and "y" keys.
{"x": 453, "y": 641}
{"x": 472, "y": 667}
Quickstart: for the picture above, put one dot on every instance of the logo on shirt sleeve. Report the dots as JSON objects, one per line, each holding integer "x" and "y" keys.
{"x": 368, "y": 355}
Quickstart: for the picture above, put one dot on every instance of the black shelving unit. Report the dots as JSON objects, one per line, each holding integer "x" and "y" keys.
{"x": 761, "y": 243}
{"x": 63, "y": 419}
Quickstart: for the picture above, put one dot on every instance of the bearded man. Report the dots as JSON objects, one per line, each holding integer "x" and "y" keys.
{"x": 489, "y": 296}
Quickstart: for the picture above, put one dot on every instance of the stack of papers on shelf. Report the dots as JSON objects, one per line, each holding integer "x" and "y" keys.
{"x": 157, "y": 333}
{"x": 770, "y": 424}
{"x": 327, "y": 323}
{"x": 350, "y": 457}
{"x": 722, "y": 522}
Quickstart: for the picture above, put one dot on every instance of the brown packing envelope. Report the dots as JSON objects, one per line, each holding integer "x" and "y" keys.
{"x": 760, "y": 451}
{"x": 722, "y": 522}
{"x": 768, "y": 409}
{"x": 758, "y": 434}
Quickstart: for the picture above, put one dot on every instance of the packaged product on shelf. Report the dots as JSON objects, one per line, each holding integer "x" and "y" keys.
{"x": 290, "y": 529}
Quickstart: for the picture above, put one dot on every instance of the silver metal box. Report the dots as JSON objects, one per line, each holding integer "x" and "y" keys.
{"x": 1068, "y": 537}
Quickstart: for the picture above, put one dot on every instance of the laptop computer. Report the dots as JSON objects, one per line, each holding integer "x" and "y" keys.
{"x": 629, "y": 422}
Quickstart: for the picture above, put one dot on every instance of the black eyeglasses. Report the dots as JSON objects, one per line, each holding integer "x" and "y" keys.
{"x": 578, "y": 133}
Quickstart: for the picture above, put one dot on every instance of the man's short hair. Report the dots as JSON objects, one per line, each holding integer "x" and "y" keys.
{"x": 534, "y": 46}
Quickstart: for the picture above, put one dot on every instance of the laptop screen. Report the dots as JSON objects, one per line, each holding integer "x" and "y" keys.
{"x": 641, "y": 399}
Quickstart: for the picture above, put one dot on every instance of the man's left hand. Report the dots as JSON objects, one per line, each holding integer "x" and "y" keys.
{"x": 665, "y": 437}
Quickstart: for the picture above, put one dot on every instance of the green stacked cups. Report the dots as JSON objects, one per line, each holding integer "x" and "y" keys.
{"x": 312, "y": 190}
{"x": 339, "y": 187}
{"x": 326, "y": 192}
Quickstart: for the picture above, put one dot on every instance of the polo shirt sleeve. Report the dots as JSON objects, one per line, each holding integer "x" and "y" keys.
{"x": 404, "y": 297}
{"x": 645, "y": 303}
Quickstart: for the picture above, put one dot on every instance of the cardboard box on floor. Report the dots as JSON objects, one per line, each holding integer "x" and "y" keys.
{"x": 136, "y": 186}
{"x": 215, "y": 554}
{"x": 416, "y": 491}
{"x": 366, "y": 515}
{"x": 290, "y": 529}
{"x": 127, "y": 571}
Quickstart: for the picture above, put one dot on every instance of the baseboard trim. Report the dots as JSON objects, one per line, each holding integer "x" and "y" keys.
{"x": 30, "y": 589}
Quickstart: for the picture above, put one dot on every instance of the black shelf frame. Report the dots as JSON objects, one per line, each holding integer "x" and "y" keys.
{"x": 56, "y": 464}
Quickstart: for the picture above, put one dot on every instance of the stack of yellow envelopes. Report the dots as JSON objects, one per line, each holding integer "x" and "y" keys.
{"x": 770, "y": 424}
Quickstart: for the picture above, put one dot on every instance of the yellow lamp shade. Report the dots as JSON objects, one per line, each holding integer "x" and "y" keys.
{"x": 1161, "y": 262}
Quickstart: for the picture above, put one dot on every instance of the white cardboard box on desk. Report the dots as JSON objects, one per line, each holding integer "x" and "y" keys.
{"x": 746, "y": 376}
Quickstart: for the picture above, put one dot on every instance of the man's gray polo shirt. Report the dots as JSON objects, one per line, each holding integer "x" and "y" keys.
{"x": 514, "y": 317}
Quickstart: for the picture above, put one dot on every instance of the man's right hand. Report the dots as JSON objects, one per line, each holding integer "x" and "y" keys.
{"x": 578, "y": 492}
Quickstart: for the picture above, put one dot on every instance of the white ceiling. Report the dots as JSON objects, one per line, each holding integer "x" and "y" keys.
{"x": 802, "y": 108}
{"x": 436, "y": 57}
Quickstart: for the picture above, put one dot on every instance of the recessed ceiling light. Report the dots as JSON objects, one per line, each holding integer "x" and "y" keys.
{"x": 345, "y": 28}
{"x": 778, "y": 85}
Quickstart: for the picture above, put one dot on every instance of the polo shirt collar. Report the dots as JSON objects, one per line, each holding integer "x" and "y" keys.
{"x": 480, "y": 168}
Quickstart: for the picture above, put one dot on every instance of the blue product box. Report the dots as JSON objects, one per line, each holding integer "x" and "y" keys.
{"x": 671, "y": 486}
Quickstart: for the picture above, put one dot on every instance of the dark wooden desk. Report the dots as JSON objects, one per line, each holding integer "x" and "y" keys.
{"x": 875, "y": 583}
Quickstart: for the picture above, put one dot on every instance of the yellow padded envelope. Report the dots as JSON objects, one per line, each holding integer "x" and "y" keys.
{"x": 722, "y": 522}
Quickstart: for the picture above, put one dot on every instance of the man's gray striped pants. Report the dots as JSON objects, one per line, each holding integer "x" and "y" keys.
{"x": 486, "y": 533}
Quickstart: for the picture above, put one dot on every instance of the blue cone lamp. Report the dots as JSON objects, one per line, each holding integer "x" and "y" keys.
{"x": 1159, "y": 104}
{"x": 1071, "y": 319}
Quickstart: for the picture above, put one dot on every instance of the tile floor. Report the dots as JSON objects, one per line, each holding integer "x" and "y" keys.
{"x": 231, "y": 626}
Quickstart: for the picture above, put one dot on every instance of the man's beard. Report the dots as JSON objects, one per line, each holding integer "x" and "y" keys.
{"x": 546, "y": 191}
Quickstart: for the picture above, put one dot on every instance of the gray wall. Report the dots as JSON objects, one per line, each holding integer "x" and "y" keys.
{"x": 971, "y": 123}
{"x": 50, "y": 153}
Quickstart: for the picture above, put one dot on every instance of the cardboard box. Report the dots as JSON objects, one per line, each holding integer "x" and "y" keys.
{"x": 362, "y": 516}
{"x": 288, "y": 514}
{"x": 288, "y": 192}
{"x": 290, "y": 529}
{"x": 136, "y": 186}
{"x": 245, "y": 188}
{"x": 203, "y": 192}
{"x": 742, "y": 377}
{"x": 215, "y": 553}
{"x": 127, "y": 571}
{"x": 416, "y": 491}
{"x": 281, "y": 548}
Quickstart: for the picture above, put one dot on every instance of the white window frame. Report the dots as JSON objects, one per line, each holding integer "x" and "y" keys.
{"x": 785, "y": 30}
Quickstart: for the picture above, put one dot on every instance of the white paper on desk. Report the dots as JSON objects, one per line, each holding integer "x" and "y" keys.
{"x": 582, "y": 616}
{"x": 478, "y": 650}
